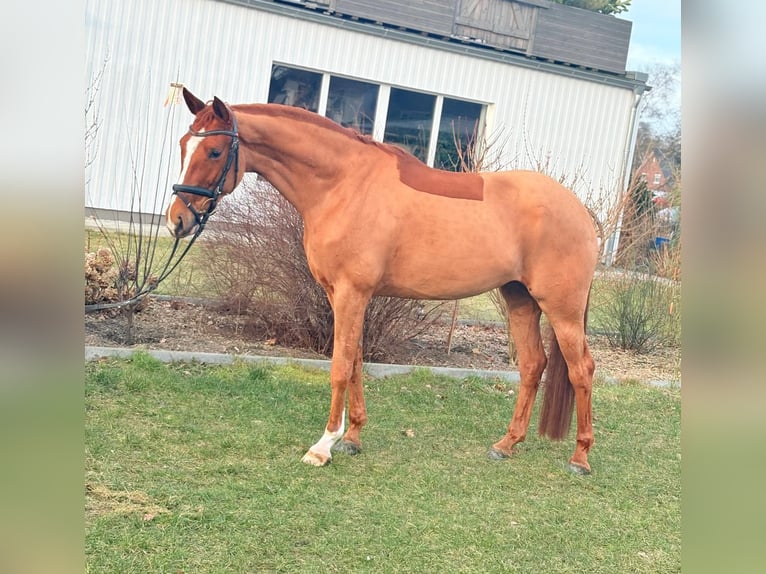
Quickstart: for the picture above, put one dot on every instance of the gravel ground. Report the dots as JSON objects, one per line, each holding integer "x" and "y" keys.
{"x": 189, "y": 326}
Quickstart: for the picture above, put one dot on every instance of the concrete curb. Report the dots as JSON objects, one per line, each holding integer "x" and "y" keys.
{"x": 374, "y": 369}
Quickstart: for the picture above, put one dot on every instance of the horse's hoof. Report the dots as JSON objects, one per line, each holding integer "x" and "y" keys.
{"x": 579, "y": 469}
{"x": 315, "y": 459}
{"x": 347, "y": 447}
{"x": 494, "y": 454}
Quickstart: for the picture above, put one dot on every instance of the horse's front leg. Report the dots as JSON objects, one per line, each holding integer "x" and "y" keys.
{"x": 345, "y": 374}
{"x": 357, "y": 410}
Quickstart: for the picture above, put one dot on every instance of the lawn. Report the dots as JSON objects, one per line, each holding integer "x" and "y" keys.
{"x": 196, "y": 468}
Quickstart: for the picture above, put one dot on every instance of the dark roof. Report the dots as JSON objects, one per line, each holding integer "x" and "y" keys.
{"x": 537, "y": 30}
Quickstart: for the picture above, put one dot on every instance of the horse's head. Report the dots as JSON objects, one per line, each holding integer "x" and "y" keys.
{"x": 209, "y": 165}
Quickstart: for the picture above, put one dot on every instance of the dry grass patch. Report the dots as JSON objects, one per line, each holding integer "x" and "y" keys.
{"x": 100, "y": 500}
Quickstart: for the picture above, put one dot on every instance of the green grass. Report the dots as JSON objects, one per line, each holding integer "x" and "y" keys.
{"x": 186, "y": 280}
{"x": 194, "y": 468}
{"x": 479, "y": 308}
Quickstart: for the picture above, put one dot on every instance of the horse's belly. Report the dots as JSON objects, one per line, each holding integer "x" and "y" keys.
{"x": 447, "y": 273}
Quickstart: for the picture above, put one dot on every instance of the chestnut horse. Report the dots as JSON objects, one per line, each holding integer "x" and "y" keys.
{"x": 377, "y": 221}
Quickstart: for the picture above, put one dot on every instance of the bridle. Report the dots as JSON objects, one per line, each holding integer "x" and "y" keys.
{"x": 200, "y": 218}
{"x": 215, "y": 193}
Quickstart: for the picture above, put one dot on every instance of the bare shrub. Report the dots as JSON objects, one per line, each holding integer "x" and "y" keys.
{"x": 133, "y": 246}
{"x": 110, "y": 284}
{"x": 641, "y": 312}
{"x": 261, "y": 271}
{"x": 640, "y": 296}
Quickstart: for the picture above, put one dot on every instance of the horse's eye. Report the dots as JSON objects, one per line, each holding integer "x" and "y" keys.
{"x": 214, "y": 154}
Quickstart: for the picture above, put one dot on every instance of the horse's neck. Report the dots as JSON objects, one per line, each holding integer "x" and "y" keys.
{"x": 301, "y": 159}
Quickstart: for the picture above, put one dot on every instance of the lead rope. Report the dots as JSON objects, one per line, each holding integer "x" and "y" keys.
{"x": 154, "y": 283}
{"x": 201, "y": 221}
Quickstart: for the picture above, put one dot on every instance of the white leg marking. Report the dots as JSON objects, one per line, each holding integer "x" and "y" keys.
{"x": 320, "y": 453}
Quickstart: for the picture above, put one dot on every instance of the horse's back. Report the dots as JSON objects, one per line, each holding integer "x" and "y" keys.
{"x": 448, "y": 248}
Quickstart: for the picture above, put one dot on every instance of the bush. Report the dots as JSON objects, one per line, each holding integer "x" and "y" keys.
{"x": 639, "y": 312}
{"x": 260, "y": 270}
{"x": 105, "y": 281}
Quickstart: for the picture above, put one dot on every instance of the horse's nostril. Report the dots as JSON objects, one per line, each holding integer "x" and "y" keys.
{"x": 178, "y": 228}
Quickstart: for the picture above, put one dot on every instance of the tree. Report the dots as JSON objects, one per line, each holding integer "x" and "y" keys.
{"x": 122, "y": 267}
{"x": 660, "y": 116}
{"x": 660, "y": 105}
{"x": 658, "y": 134}
{"x": 600, "y": 6}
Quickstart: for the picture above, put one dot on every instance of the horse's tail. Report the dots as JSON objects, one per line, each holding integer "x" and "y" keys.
{"x": 558, "y": 396}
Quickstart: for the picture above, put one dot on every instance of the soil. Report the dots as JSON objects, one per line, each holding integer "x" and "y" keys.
{"x": 182, "y": 325}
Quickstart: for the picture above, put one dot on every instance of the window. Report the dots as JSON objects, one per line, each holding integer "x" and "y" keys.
{"x": 409, "y": 119}
{"x": 458, "y": 129}
{"x": 657, "y": 178}
{"x": 352, "y": 103}
{"x": 405, "y": 117}
{"x": 298, "y": 88}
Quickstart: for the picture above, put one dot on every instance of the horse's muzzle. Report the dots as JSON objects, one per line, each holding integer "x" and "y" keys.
{"x": 179, "y": 220}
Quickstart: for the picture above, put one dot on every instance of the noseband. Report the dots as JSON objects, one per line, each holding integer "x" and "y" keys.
{"x": 215, "y": 193}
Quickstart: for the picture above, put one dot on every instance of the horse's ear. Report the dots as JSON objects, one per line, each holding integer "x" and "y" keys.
{"x": 220, "y": 109}
{"x": 193, "y": 102}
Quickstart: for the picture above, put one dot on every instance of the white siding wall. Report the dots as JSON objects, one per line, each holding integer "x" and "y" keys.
{"x": 578, "y": 128}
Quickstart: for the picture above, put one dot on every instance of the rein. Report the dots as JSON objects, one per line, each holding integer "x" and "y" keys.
{"x": 200, "y": 218}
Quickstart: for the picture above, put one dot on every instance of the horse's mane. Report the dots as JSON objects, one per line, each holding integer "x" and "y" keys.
{"x": 300, "y": 114}
{"x": 412, "y": 171}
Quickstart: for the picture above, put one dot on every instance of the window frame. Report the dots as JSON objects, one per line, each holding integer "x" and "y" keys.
{"x": 383, "y": 103}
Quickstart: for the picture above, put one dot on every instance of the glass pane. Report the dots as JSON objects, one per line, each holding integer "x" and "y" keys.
{"x": 352, "y": 104}
{"x": 459, "y": 131}
{"x": 409, "y": 119}
{"x": 294, "y": 87}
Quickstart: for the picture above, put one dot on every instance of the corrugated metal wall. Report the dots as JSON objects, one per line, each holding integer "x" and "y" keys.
{"x": 576, "y": 128}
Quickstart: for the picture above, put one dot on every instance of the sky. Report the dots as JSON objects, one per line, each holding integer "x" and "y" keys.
{"x": 656, "y": 39}
{"x": 656, "y": 33}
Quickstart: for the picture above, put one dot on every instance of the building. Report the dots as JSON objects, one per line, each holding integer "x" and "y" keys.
{"x": 656, "y": 171}
{"x": 545, "y": 82}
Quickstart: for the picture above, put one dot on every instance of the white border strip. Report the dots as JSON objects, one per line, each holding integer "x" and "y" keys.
{"x": 373, "y": 369}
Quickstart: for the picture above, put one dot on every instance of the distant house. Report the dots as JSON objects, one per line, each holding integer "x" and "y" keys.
{"x": 650, "y": 220}
{"x": 657, "y": 172}
{"x": 546, "y": 81}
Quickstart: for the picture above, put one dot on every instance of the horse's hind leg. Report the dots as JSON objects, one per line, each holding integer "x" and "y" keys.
{"x": 580, "y": 366}
{"x": 524, "y": 327}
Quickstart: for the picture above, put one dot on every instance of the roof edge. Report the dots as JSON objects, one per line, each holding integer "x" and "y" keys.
{"x": 635, "y": 81}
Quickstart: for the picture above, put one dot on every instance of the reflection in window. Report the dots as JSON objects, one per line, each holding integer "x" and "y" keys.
{"x": 352, "y": 103}
{"x": 409, "y": 119}
{"x": 459, "y": 132}
{"x": 293, "y": 87}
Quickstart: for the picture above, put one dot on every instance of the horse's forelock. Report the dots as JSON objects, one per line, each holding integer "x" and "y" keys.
{"x": 207, "y": 120}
